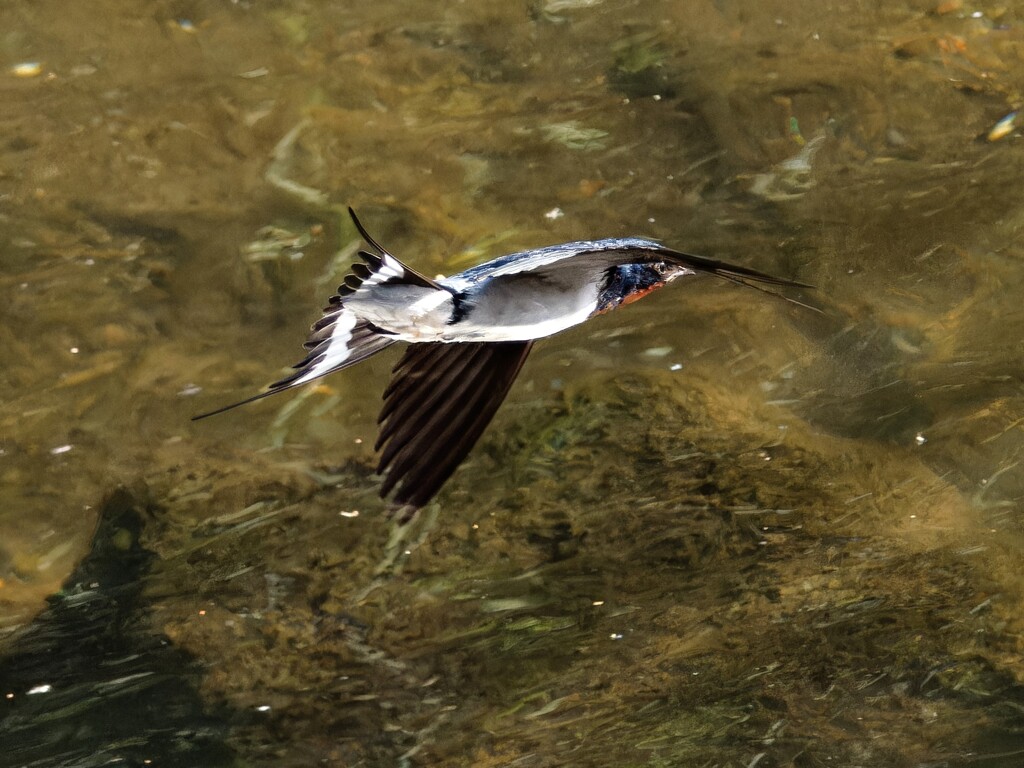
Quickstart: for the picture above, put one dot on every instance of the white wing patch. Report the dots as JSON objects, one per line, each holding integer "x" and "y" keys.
{"x": 339, "y": 339}
{"x": 328, "y": 357}
{"x": 390, "y": 269}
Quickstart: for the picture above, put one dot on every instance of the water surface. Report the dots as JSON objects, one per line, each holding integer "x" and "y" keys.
{"x": 712, "y": 529}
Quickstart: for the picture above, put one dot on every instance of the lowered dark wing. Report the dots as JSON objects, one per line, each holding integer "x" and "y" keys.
{"x": 440, "y": 400}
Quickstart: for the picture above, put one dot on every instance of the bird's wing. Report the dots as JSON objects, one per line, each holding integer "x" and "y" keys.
{"x": 606, "y": 253}
{"x": 340, "y": 338}
{"x": 385, "y": 267}
{"x": 440, "y": 399}
{"x": 552, "y": 257}
{"x": 735, "y": 273}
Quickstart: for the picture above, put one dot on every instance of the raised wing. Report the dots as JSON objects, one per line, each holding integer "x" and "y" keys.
{"x": 603, "y": 251}
{"x": 595, "y": 256}
{"x": 384, "y": 266}
{"x": 440, "y": 400}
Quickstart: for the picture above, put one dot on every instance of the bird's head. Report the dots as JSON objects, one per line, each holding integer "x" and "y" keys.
{"x": 629, "y": 282}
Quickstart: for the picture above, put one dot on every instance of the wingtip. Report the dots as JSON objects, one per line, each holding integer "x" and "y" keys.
{"x": 402, "y": 514}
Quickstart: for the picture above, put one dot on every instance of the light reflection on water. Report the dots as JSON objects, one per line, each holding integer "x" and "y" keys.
{"x": 708, "y": 529}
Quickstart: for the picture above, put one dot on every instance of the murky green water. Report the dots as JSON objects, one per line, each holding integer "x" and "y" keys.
{"x": 711, "y": 529}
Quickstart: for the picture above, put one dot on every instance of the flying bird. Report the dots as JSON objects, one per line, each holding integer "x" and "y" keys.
{"x": 469, "y": 335}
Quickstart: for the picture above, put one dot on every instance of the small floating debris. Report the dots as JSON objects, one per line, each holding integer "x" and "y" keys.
{"x": 39, "y": 689}
{"x": 1003, "y": 128}
{"x": 252, "y": 74}
{"x": 556, "y": 6}
{"x": 794, "y": 132}
{"x": 27, "y": 69}
{"x": 554, "y": 213}
{"x": 573, "y": 135}
{"x": 60, "y": 449}
{"x": 658, "y": 351}
{"x": 791, "y": 178}
{"x": 275, "y": 242}
{"x": 186, "y": 25}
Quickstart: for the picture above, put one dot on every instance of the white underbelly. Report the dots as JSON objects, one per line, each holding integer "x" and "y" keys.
{"x": 529, "y": 328}
{"x": 512, "y": 309}
{"x": 522, "y": 307}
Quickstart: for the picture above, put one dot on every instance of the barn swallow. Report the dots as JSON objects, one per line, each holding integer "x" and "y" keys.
{"x": 469, "y": 335}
